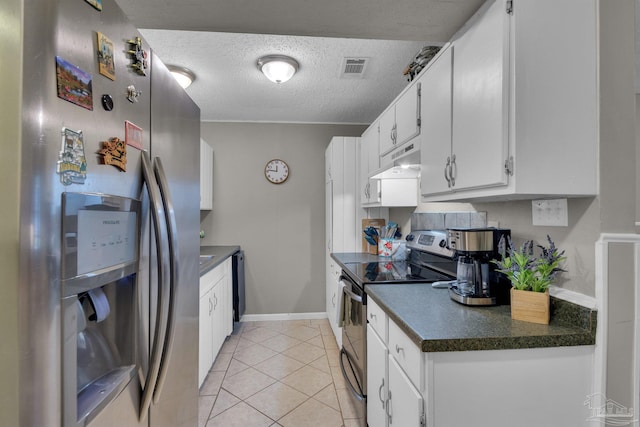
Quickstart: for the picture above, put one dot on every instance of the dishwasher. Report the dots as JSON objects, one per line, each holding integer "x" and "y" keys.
{"x": 238, "y": 285}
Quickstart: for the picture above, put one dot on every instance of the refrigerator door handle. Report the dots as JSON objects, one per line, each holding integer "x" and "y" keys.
{"x": 173, "y": 277}
{"x": 160, "y": 226}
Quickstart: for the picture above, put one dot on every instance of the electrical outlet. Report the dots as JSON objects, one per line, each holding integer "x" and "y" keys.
{"x": 550, "y": 212}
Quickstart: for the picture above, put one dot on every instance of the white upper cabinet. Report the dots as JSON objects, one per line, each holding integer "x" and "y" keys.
{"x": 400, "y": 123}
{"x": 206, "y": 176}
{"x": 523, "y": 105}
{"x": 480, "y": 115}
{"x": 369, "y": 162}
{"x": 436, "y": 124}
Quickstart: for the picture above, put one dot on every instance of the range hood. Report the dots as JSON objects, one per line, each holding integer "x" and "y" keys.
{"x": 401, "y": 163}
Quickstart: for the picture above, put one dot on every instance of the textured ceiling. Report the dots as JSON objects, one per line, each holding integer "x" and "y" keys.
{"x": 222, "y": 40}
{"x": 229, "y": 86}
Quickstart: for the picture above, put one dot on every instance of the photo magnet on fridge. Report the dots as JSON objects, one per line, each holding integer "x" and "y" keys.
{"x": 72, "y": 163}
{"x": 106, "y": 64}
{"x": 74, "y": 84}
{"x": 97, "y": 4}
{"x": 133, "y": 135}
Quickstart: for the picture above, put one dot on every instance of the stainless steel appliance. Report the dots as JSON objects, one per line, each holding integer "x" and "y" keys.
{"x": 477, "y": 281}
{"x": 428, "y": 260}
{"x": 105, "y": 337}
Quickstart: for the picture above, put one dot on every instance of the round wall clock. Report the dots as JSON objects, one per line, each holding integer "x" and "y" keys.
{"x": 276, "y": 171}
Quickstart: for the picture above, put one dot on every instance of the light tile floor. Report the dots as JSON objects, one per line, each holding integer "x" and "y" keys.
{"x": 277, "y": 373}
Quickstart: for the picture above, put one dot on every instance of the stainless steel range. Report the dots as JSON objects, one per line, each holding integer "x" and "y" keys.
{"x": 428, "y": 260}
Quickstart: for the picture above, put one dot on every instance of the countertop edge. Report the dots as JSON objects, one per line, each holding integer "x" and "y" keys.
{"x": 221, "y": 253}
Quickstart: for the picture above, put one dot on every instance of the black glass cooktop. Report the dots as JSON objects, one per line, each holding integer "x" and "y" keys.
{"x": 392, "y": 272}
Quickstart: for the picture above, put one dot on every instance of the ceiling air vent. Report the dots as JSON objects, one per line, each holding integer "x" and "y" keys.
{"x": 353, "y": 68}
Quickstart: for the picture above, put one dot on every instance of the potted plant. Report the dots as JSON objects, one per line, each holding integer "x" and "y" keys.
{"x": 530, "y": 276}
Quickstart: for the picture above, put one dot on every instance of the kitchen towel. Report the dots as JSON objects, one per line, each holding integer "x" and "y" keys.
{"x": 100, "y": 305}
{"x": 340, "y": 303}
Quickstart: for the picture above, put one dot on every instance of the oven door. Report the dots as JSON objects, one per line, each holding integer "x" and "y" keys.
{"x": 353, "y": 356}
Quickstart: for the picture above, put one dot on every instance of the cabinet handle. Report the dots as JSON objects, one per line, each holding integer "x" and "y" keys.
{"x": 399, "y": 349}
{"x": 333, "y": 300}
{"x": 380, "y": 393}
{"x": 453, "y": 171}
{"x": 446, "y": 171}
{"x": 215, "y": 299}
{"x": 372, "y": 316}
{"x": 389, "y": 408}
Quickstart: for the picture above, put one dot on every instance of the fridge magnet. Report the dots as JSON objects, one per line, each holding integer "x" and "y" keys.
{"x": 106, "y": 64}
{"x": 133, "y": 135}
{"x": 114, "y": 153}
{"x": 133, "y": 94}
{"x": 107, "y": 102}
{"x": 138, "y": 56}
{"x": 72, "y": 163}
{"x": 97, "y": 4}
{"x": 74, "y": 84}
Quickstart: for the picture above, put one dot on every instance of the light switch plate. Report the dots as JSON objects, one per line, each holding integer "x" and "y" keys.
{"x": 550, "y": 212}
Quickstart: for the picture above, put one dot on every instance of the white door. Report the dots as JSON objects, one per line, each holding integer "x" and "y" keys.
{"x": 405, "y": 401}
{"x": 436, "y": 124}
{"x": 480, "y": 104}
{"x": 205, "y": 347}
{"x": 408, "y": 114}
{"x": 377, "y": 381}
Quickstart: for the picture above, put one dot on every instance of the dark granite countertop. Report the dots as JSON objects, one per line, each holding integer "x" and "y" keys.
{"x": 436, "y": 323}
{"x": 220, "y": 253}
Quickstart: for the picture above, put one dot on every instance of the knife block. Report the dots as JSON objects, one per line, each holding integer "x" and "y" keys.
{"x": 377, "y": 223}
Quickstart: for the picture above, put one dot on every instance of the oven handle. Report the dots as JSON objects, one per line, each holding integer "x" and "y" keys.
{"x": 355, "y": 392}
{"x": 356, "y": 298}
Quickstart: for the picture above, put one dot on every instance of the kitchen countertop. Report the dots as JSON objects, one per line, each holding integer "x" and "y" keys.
{"x": 220, "y": 253}
{"x": 435, "y": 323}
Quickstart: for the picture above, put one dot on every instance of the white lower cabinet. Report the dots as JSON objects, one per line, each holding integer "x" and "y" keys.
{"x": 393, "y": 399}
{"x": 533, "y": 387}
{"x": 216, "y": 315}
{"x": 405, "y": 404}
{"x": 377, "y": 380}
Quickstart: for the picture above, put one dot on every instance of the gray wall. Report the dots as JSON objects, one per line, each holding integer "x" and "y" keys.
{"x": 280, "y": 227}
{"x": 10, "y": 83}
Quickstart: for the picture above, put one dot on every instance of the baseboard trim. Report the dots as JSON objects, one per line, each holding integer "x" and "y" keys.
{"x": 282, "y": 316}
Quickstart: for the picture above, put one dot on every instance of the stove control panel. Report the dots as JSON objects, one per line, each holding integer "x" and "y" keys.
{"x": 432, "y": 241}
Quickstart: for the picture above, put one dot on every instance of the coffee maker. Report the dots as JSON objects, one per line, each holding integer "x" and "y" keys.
{"x": 477, "y": 281}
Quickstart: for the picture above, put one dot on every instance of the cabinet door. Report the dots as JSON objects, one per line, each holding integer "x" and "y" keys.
{"x": 206, "y": 176}
{"x": 369, "y": 162}
{"x": 480, "y": 101}
{"x": 218, "y": 335}
{"x": 405, "y": 402}
{"x": 377, "y": 381}
{"x": 436, "y": 124}
{"x": 408, "y": 114}
{"x": 387, "y": 125}
{"x": 205, "y": 341}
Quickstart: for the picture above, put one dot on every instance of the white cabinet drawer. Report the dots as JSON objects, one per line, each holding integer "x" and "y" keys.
{"x": 212, "y": 277}
{"x": 377, "y": 318}
{"x": 407, "y": 354}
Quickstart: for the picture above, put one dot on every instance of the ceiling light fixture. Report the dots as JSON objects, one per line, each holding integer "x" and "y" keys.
{"x": 183, "y": 75}
{"x": 278, "y": 68}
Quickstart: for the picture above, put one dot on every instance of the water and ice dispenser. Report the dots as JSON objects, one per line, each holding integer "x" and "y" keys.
{"x": 100, "y": 301}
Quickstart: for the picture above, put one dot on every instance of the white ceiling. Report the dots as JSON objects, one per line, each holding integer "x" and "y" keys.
{"x": 222, "y": 40}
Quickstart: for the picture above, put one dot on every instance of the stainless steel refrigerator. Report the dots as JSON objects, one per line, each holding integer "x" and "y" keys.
{"x": 100, "y": 300}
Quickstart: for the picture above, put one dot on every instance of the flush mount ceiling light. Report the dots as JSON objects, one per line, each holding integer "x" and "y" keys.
{"x": 183, "y": 75}
{"x": 278, "y": 68}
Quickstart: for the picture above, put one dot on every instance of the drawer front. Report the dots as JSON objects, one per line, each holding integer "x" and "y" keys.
{"x": 212, "y": 277}
{"x": 377, "y": 318}
{"x": 406, "y": 353}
